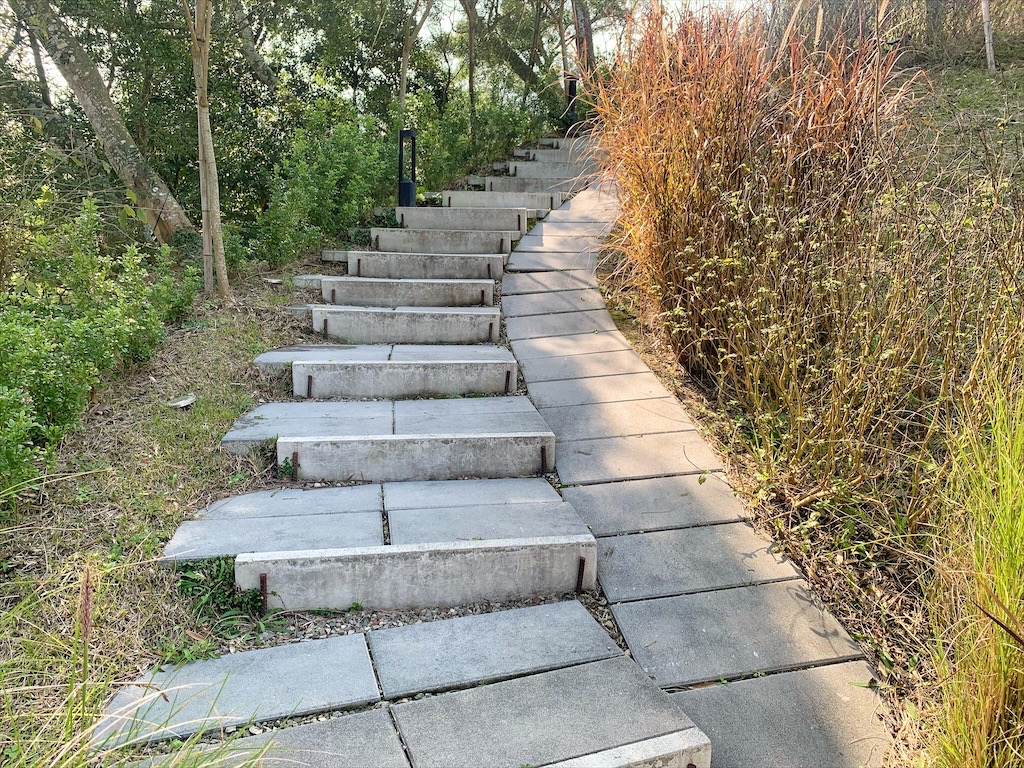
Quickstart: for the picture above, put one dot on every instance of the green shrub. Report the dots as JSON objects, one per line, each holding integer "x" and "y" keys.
{"x": 334, "y": 172}
{"x": 68, "y": 315}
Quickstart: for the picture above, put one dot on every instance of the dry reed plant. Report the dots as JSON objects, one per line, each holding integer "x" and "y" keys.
{"x": 836, "y": 294}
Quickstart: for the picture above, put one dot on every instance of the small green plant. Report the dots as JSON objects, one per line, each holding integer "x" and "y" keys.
{"x": 227, "y": 610}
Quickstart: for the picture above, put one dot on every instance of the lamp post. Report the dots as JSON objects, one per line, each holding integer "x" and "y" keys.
{"x": 407, "y": 184}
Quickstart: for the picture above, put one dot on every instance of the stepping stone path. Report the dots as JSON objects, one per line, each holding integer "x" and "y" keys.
{"x": 435, "y": 487}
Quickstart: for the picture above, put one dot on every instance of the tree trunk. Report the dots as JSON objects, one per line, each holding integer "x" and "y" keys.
{"x": 201, "y": 30}
{"x": 163, "y": 213}
{"x": 990, "y": 52}
{"x": 413, "y": 28}
{"x": 584, "y": 37}
{"x": 44, "y": 86}
{"x": 471, "y": 23}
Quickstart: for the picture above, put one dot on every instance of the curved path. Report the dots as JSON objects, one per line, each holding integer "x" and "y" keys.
{"x": 699, "y": 596}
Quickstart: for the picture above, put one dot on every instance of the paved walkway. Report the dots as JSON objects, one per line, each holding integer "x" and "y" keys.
{"x": 643, "y": 512}
{"x": 700, "y": 597}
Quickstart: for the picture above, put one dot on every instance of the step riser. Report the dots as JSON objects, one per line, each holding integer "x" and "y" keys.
{"x": 520, "y": 184}
{"x": 421, "y": 576}
{"x": 485, "y": 220}
{"x": 426, "y": 266}
{"x": 401, "y": 380}
{"x": 539, "y": 170}
{"x": 418, "y": 457}
{"x": 440, "y": 241}
{"x": 408, "y": 294}
{"x": 407, "y": 328}
{"x": 543, "y": 201}
{"x": 581, "y": 155}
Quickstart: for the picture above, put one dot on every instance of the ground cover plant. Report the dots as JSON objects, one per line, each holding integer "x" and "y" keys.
{"x": 843, "y": 279}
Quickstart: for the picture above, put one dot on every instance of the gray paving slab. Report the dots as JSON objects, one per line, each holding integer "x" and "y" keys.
{"x": 731, "y": 633}
{"x": 227, "y": 537}
{"x": 485, "y": 522}
{"x": 525, "y": 283}
{"x": 559, "y": 228}
{"x": 565, "y": 324}
{"x": 661, "y": 563}
{"x": 296, "y": 501}
{"x": 363, "y": 740}
{"x": 468, "y": 415}
{"x": 468, "y": 493}
{"x": 273, "y": 420}
{"x": 454, "y": 653}
{"x": 656, "y": 504}
{"x": 550, "y": 242}
{"x": 551, "y": 261}
{"x": 583, "y": 366}
{"x": 266, "y": 684}
{"x": 598, "y": 389}
{"x": 603, "y": 214}
{"x": 566, "y": 346}
{"x": 281, "y": 359}
{"x": 823, "y": 717}
{"x": 538, "y": 719}
{"x": 634, "y": 457}
{"x": 634, "y": 417}
{"x": 555, "y": 301}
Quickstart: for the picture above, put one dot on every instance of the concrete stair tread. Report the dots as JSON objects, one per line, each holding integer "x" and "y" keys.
{"x": 445, "y": 240}
{"x": 605, "y": 713}
{"x": 493, "y": 219}
{"x": 456, "y": 653}
{"x": 266, "y": 684}
{"x": 534, "y": 201}
{"x": 280, "y": 359}
{"x": 490, "y": 522}
{"x": 461, "y": 416}
{"x": 411, "y": 309}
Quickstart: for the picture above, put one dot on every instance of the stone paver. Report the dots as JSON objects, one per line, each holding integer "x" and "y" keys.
{"x": 273, "y": 420}
{"x": 539, "y": 719}
{"x": 558, "y": 243}
{"x": 730, "y": 633}
{"x": 281, "y": 359}
{"x": 826, "y": 717}
{"x": 485, "y": 522}
{"x": 548, "y": 347}
{"x": 565, "y": 324}
{"x": 456, "y": 653}
{"x": 616, "y": 419}
{"x": 556, "y": 301}
{"x": 550, "y": 261}
{"x": 583, "y": 366}
{"x": 296, "y": 501}
{"x": 469, "y": 415}
{"x": 362, "y": 740}
{"x": 467, "y": 493}
{"x": 599, "y": 389}
{"x": 646, "y": 565}
{"x": 202, "y": 539}
{"x": 634, "y": 457}
{"x": 526, "y": 283}
{"x": 561, "y": 228}
{"x": 266, "y": 684}
{"x": 657, "y": 504}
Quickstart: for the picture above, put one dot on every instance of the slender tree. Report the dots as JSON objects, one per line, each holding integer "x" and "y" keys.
{"x": 163, "y": 213}
{"x": 990, "y": 52}
{"x": 200, "y": 27}
{"x": 413, "y": 26}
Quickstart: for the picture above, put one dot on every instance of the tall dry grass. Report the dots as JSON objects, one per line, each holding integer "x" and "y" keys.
{"x": 836, "y": 292}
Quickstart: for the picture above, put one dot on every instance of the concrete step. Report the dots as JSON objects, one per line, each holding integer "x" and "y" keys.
{"x": 535, "y": 201}
{"x": 408, "y": 325}
{"x": 429, "y": 266}
{"x": 565, "y": 186}
{"x": 442, "y": 241}
{"x": 575, "y": 143}
{"x": 535, "y": 169}
{"x": 405, "y": 371}
{"x": 348, "y": 518}
{"x": 488, "y": 219}
{"x": 581, "y": 154}
{"x": 401, "y": 440}
{"x": 395, "y": 292}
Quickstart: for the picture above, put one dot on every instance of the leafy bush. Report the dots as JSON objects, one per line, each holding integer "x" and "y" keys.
{"x": 68, "y": 315}
{"x": 334, "y": 171}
